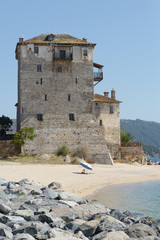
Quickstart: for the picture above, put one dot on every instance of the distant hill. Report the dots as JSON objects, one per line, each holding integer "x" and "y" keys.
{"x": 146, "y": 132}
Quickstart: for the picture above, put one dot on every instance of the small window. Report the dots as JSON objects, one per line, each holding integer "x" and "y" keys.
{"x": 39, "y": 69}
{"x": 41, "y": 81}
{"x": 96, "y": 104}
{"x": 111, "y": 110}
{"x": 71, "y": 117}
{"x": 69, "y": 97}
{"x": 40, "y": 117}
{"x": 45, "y": 97}
{"x": 100, "y": 122}
{"x": 59, "y": 68}
{"x": 76, "y": 81}
{"x": 85, "y": 53}
{"x": 36, "y": 50}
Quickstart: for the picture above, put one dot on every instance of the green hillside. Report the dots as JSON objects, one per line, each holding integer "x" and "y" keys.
{"x": 146, "y": 132}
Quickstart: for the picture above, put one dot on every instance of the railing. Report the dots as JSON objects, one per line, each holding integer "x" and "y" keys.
{"x": 58, "y": 56}
{"x": 98, "y": 76}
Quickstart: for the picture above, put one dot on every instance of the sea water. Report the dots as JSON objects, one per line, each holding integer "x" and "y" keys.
{"x": 139, "y": 198}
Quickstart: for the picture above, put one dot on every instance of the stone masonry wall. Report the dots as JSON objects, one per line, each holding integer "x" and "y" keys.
{"x": 6, "y": 148}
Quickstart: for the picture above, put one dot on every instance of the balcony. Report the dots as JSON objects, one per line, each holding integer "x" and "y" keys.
{"x": 98, "y": 76}
{"x": 62, "y": 55}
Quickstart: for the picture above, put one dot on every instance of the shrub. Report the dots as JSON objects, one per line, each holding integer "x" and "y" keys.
{"x": 5, "y": 156}
{"x": 81, "y": 152}
{"x": 63, "y": 151}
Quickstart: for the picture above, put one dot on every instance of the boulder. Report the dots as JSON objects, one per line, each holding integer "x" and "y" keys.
{"x": 27, "y": 214}
{"x": 4, "y": 208}
{"x": 86, "y": 211}
{"x": 140, "y": 230}
{"x": 54, "y": 185}
{"x": 71, "y": 197}
{"x": 5, "y": 231}
{"x": 119, "y": 235}
{"x": 24, "y": 236}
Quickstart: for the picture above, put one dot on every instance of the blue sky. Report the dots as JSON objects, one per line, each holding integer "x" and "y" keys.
{"x": 127, "y": 33}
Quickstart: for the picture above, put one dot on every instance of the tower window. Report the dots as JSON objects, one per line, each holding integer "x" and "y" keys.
{"x": 59, "y": 68}
{"x": 85, "y": 53}
{"x": 100, "y": 122}
{"x": 62, "y": 54}
{"x": 69, "y": 97}
{"x": 40, "y": 117}
{"x": 41, "y": 81}
{"x": 76, "y": 80}
{"x": 111, "y": 110}
{"x": 36, "y": 50}
{"x": 39, "y": 69}
{"x": 71, "y": 117}
{"x": 45, "y": 97}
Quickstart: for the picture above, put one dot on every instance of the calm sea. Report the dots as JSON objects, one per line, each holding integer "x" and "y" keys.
{"x": 139, "y": 198}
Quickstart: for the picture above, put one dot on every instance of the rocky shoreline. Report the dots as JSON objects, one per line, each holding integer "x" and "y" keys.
{"x": 30, "y": 210}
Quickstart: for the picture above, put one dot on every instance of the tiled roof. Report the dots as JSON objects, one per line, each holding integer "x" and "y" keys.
{"x": 101, "y": 98}
{"x": 58, "y": 38}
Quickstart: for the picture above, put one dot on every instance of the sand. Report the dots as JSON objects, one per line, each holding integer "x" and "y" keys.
{"x": 72, "y": 181}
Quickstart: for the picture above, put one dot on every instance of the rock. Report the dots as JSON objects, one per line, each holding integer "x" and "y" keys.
{"x": 61, "y": 234}
{"x": 3, "y": 182}
{"x": 119, "y": 235}
{"x": 30, "y": 229}
{"x": 25, "y": 181}
{"x": 4, "y": 208}
{"x": 71, "y": 197}
{"x": 16, "y": 219}
{"x": 68, "y": 217}
{"x": 49, "y": 218}
{"x": 89, "y": 228}
{"x": 74, "y": 226}
{"x": 110, "y": 224}
{"x": 117, "y": 214}
{"x": 5, "y": 231}
{"x": 86, "y": 211}
{"x": 140, "y": 230}
{"x": 51, "y": 194}
{"x": 54, "y": 185}
{"x": 69, "y": 203}
{"x": 27, "y": 214}
{"x": 23, "y": 236}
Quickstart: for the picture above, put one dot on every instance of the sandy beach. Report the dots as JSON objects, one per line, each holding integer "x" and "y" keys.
{"x": 72, "y": 181}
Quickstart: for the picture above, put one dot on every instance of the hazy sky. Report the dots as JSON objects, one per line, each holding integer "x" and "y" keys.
{"x": 127, "y": 33}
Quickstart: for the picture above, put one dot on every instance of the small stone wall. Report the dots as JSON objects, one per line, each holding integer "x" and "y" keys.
{"x": 133, "y": 153}
{"x": 6, "y": 148}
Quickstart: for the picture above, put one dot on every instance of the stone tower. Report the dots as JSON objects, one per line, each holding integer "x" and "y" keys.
{"x": 56, "y": 95}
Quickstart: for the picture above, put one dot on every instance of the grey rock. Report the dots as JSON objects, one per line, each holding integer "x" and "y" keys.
{"x": 71, "y": 197}
{"x": 36, "y": 192}
{"x": 27, "y": 214}
{"x": 3, "y": 182}
{"x": 54, "y": 185}
{"x": 25, "y": 181}
{"x": 140, "y": 230}
{"x": 68, "y": 217}
{"x": 60, "y": 234}
{"x": 110, "y": 224}
{"x": 89, "y": 228}
{"x": 117, "y": 214}
{"x": 51, "y": 194}
{"x": 120, "y": 235}
{"x": 74, "y": 226}
{"x": 23, "y": 236}
{"x": 5, "y": 231}
{"x": 30, "y": 229}
{"x": 4, "y": 208}
{"x": 86, "y": 211}
{"x": 69, "y": 203}
{"x": 53, "y": 220}
{"x": 16, "y": 219}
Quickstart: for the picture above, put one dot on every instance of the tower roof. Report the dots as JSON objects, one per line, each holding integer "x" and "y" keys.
{"x": 101, "y": 98}
{"x": 57, "y": 39}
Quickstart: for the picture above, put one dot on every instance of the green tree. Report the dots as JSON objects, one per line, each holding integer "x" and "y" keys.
{"x": 125, "y": 137}
{"x": 5, "y": 123}
{"x": 22, "y": 135}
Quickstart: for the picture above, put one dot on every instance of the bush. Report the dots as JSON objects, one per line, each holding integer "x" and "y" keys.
{"x": 5, "y": 156}
{"x": 81, "y": 152}
{"x": 63, "y": 151}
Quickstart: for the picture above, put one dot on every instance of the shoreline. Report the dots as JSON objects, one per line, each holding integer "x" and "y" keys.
{"x": 81, "y": 184}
